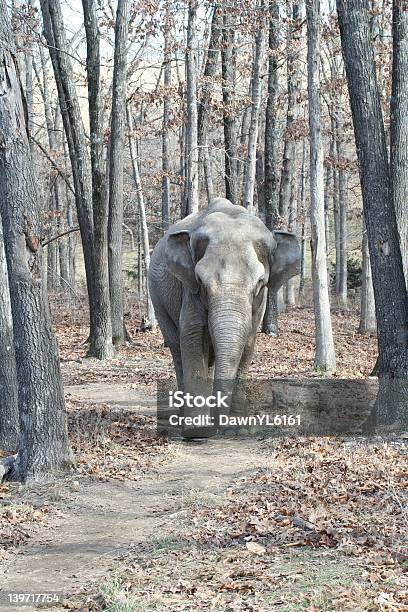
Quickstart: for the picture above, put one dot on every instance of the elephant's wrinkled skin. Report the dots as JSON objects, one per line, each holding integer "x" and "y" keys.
{"x": 208, "y": 281}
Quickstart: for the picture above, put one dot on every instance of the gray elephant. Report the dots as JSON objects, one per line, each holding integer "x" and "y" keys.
{"x": 208, "y": 281}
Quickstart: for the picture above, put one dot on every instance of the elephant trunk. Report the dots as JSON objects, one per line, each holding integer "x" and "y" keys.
{"x": 229, "y": 324}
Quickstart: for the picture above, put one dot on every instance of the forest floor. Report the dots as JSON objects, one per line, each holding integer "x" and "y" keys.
{"x": 248, "y": 524}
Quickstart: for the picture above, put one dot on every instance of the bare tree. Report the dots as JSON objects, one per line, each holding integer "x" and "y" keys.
{"x": 210, "y": 70}
{"x": 166, "y": 122}
{"x": 324, "y": 356}
{"x": 150, "y": 320}
{"x": 102, "y": 347}
{"x": 270, "y": 320}
{"x": 256, "y": 91}
{"x": 44, "y": 439}
{"x": 116, "y": 153}
{"x": 399, "y": 126}
{"x": 9, "y": 427}
{"x": 54, "y": 32}
{"x": 368, "y": 322}
{"x": 229, "y": 120}
{"x": 191, "y": 95}
{"x": 342, "y": 201}
{"x": 289, "y": 150}
{"x": 391, "y": 299}
{"x": 303, "y": 217}
{"x": 52, "y": 121}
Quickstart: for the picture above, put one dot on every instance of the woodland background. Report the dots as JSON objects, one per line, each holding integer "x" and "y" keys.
{"x": 117, "y": 119}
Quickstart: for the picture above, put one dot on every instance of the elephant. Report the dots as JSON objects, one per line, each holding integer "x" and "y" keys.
{"x": 208, "y": 280}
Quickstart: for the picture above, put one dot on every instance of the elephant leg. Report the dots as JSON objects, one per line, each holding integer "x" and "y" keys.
{"x": 176, "y": 354}
{"x": 239, "y": 396}
{"x": 171, "y": 337}
{"x": 195, "y": 352}
{"x": 194, "y": 342}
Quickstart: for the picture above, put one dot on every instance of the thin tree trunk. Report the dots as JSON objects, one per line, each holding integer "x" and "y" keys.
{"x": 270, "y": 320}
{"x": 167, "y": 104}
{"x": 289, "y": 161}
{"x": 399, "y": 126}
{"x": 328, "y": 197}
{"x": 208, "y": 175}
{"x": 336, "y": 205}
{"x": 324, "y": 356}
{"x": 54, "y": 199}
{"x": 256, "y": 89}
{"x": 116, "y": 156}
{"x": 151, "y": 318}
{"x": 260, "y": 176}
{"x": 203, "y": 104}
{"x": 368, "y": 321}
{"x": 29, "y": 73}
{"x": 52, "y": 270}
{"x": 303, "y": 214}
{"x": 44, "y": 438}
{"x": 102, "y": 347}
{"x": 290, "y": 297}
{"x": 75, "y": 134}
{"x": 192, "y": 113}
{"x": 210, "y": 71}
{"x": 139, "y": 259}
{"x": 9, "y": 427}
{"x": 229, "y": 120}
{"x": 70, "y": 223}
{"x": 341, "y": 282}
{"x": 243, "y": 143}
{"x": 342, "y": 293}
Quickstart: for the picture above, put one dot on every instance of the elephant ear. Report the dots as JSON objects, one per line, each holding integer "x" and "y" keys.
{"x": 285, "y": 261}
{"x": 180, "y": 259}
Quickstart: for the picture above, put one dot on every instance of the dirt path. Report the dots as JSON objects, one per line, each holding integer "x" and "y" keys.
{"x": 102, "y": 520}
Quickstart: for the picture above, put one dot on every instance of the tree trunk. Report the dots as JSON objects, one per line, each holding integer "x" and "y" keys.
{"x": 256, "y": 92}
{"x": 270, "y": 320}
{"x": 242, "y": 143}
{"x": 399, "y": 126}
{"x": 324, "y": 356}
{"x": 289, "y": 161}
{"x": 391, "y": 299}
{"x": 44, "y": 438}
{"x": 342, "y": 293}
{"x": 191, "y": 94}
{"x": 52, "y": 261}
{"x": 228, "y": 87}
{"x": 9, "y": 427}
{"x": 341, "y": 283}
{"x": 303, "y": 215}
{"x": 116, "y": 153}
{"x": 56, "y": 199}
{"x": 75, "y": 134}
{"x": 151, "y": 318}
{"x": 203, "y": 104}
{"x": 290, "y": 295}
{"x": 210, "y": 71}
{"x": 167, "y": 103}
{"x": 368, "y": 322}
{"x": 328, "y": 197}
{"x": 70, "y": 223}
{"x": 102, "y": 347}
{"x": 139, "y": 259}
